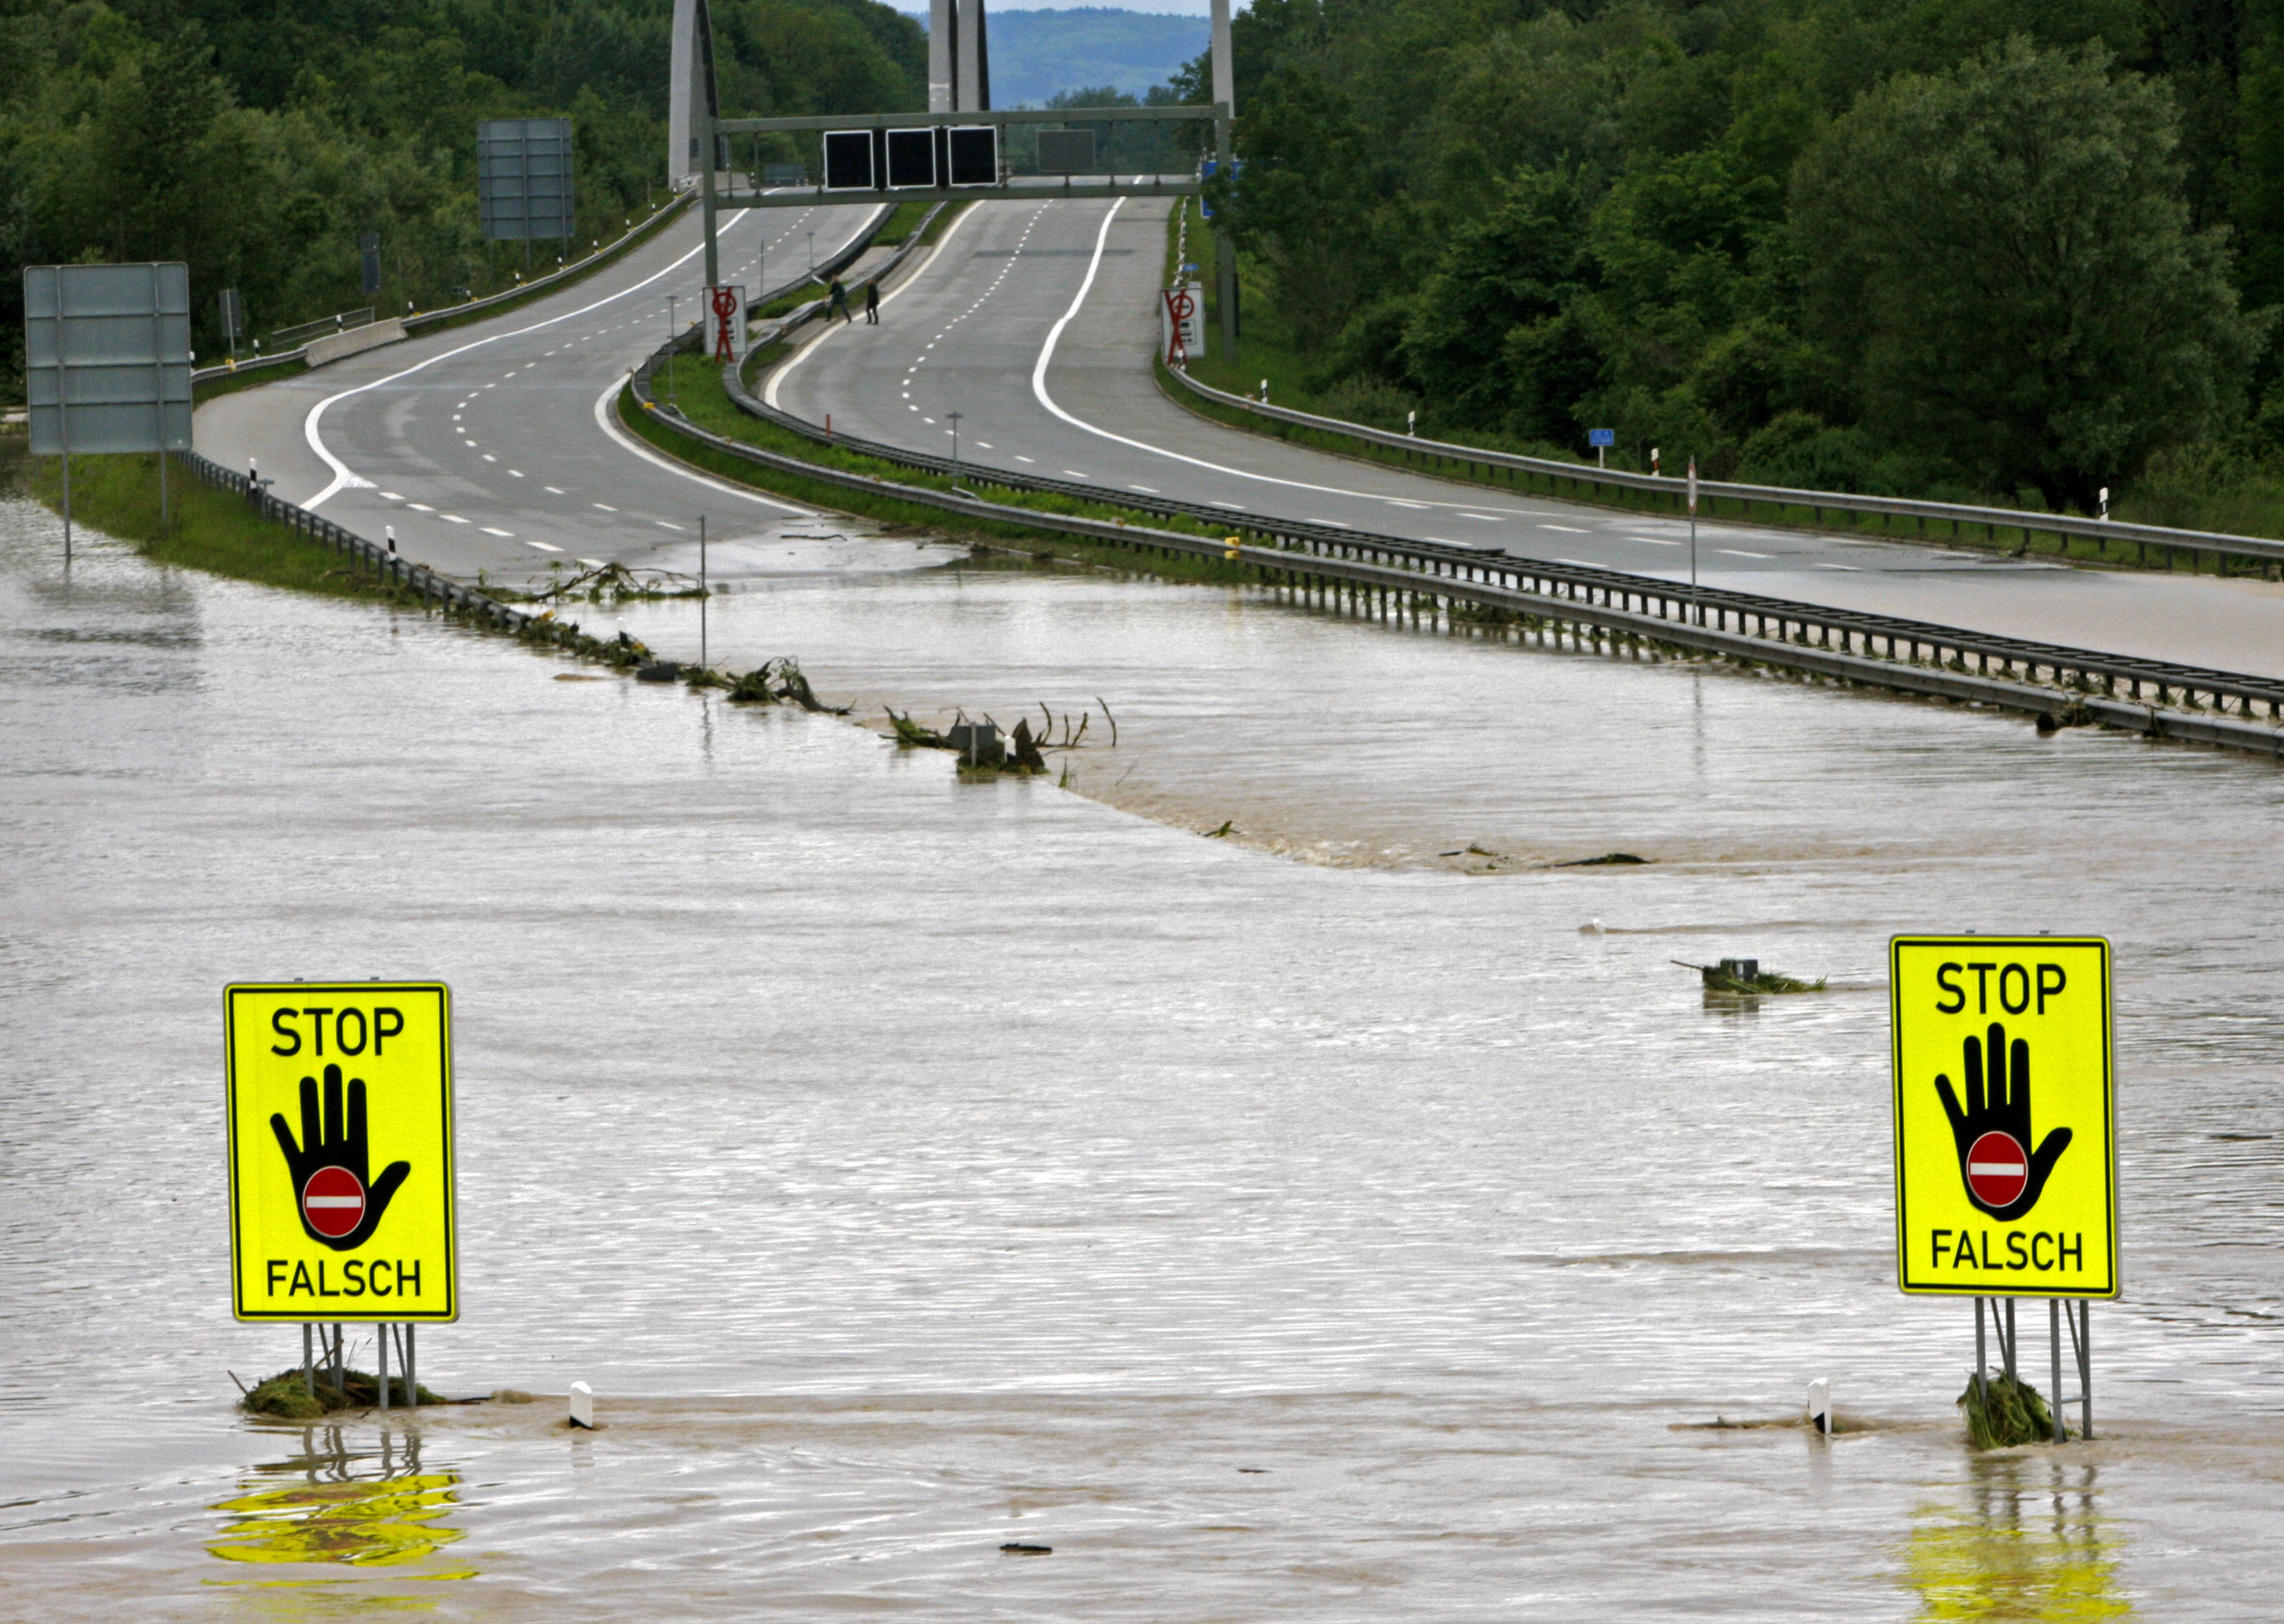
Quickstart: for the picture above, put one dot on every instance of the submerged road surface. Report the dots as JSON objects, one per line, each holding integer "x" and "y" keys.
{"x": 485, "y": 447}
{"x": 1036, "y": 322}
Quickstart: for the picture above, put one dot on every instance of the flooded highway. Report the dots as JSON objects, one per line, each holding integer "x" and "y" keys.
{"x": 1327, "y": 1220}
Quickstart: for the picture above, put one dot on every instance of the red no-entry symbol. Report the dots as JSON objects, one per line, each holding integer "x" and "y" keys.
{"x": 725, "y": 311}
{"x": 334, "y": 1200}
{"x": 1180, "y": 306}
{"x": 1997, "y": 1169}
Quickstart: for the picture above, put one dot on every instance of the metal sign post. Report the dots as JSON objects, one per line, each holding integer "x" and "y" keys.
{"x": 2005, "y": 1133}
{"x": 1696, "y": 608}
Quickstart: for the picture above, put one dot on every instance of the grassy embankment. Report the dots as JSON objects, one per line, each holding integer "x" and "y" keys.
{"x": 702, "y": 400}
{"x": 2206, "y": 491}
{"x": 211, "y": 530}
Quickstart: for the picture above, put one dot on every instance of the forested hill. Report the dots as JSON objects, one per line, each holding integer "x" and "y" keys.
{"x": 258, "y": 139}
{"x": 2002, "y": 247}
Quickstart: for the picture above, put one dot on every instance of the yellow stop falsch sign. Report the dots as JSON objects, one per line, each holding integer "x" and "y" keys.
{"x": 2005, "y": 1116}
{"x": 339, "y": 1107}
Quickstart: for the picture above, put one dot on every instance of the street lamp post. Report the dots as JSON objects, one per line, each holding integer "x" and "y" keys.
{"x": 953, "y": 418}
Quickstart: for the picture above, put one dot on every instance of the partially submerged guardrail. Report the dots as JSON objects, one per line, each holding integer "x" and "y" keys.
{"x": 324, "y": 327}
{"x": 1582, "y": 478}
{"x": 438, "y": 590}
{"x": 1391, "y": 573}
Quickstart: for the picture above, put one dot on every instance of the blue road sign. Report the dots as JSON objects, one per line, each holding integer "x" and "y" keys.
{"x": 1601, "y": 436}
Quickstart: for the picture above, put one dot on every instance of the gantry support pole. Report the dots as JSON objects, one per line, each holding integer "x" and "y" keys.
{"x": 1224, "y": 93}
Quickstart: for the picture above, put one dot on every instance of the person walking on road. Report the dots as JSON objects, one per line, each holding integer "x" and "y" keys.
{"x": 872, "y": 304}
{"x": 838, "y": 304}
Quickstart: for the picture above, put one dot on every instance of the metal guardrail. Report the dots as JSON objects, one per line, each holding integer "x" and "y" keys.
{"x": 325, "y": 326}
{"x": 453, "y": 312}
{"x": 1391, "y": 573}
{"x": 1819, "y": 503}
{"x": 389, "y": 566}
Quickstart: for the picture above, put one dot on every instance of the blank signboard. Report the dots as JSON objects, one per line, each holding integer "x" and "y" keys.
{"x": 1065, "y": 152}
{"x": 911, "y": 157}
{"x": 107, "y": 357}
{"x": 848, "y": 161}
{"x": 974, "y": 155}
{"x": 523, "y": 178}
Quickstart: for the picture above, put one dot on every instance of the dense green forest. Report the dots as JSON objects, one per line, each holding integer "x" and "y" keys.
{"x": 258, "y": 140}
{"x": 1997, "y": 248}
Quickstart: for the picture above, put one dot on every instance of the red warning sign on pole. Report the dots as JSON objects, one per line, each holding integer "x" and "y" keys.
{"x": 728, "y": 304}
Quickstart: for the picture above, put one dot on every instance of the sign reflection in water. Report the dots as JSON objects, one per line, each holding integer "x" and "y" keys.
{"x": 370, "y": 1508}
{"x": 2031, "y": 1544}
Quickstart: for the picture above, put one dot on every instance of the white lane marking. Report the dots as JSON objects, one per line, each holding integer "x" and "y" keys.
{"x": 1850, "y": 569}
{"x": 595, "y": 563}
{"x": 1144, "y": 490}
{"x": 777, "y": 378}
{"x": 1075, "y": 474}
{"x": 493, "y": 529}
{"x": 1021, "y": 458}
{"x": 987, "y": 445}
{"x": 661, "y": 524}
{"x": 1654, "y": 541}
{"x": 546, "y": 546}
{"x": 490, "y": 458}
{"x": 604, "y": 415}
{"x": 1568, "y": 530}
{"x": 555, "y": 490}
{"x": 391, "y": 496}
{"x": 345, "y": 479}
{"x": 1741, "y": 553}
{"x": 1232, "y": 506}
{"x": 451, "y": 518}
{"x": 420, "y": 507}
{"x": 515, "y": 472}
{"x": 1486, "y": 518}
{"x": 606, "y": 506}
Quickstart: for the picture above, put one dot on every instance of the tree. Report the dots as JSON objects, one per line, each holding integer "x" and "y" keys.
{"x": 2003, "y": 256}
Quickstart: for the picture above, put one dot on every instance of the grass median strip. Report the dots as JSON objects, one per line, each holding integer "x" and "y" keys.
{"x": 708, "y": 408}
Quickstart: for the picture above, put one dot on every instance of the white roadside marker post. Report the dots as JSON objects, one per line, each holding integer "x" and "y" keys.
{"x": 1820, "y": 1405}
{"x": 582, "y": 1407}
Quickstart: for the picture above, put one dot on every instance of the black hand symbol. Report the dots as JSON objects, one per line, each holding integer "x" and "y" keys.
{"x": 339, "y": 1151}
{"x": 1998, "y": 1102}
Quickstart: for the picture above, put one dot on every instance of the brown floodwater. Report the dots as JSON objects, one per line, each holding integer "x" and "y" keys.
{"x": 915, "y": 1166}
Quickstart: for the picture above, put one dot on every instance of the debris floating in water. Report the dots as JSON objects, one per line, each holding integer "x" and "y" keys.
{"x": 1021, "y": 1549}
{"x": 984, "y": 748}
{"x": 1747, "y": 976}
{"x": 1608, "y": 859}
{"x": 288, "y": 1393}
{"x": 2004, "y": 1411}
